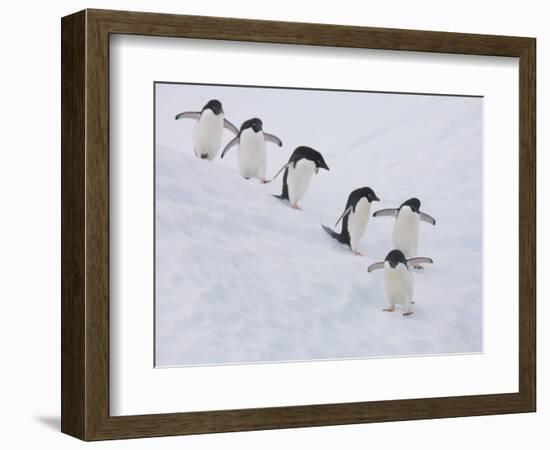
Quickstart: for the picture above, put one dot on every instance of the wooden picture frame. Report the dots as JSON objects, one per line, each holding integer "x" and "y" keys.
{"x": 85, "y": 224}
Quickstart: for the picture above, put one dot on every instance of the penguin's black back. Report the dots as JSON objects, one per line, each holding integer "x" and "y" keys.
{"x": 353, "y": 199}
{"x": 343, "y": 237}
{"x": 344, "y": 233}
{"x": 284, "y": 194}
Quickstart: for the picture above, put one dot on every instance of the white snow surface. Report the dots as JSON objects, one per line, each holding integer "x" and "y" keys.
{"x": 243, "y": 278}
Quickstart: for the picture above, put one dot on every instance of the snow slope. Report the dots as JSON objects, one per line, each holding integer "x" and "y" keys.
{"x": 241, "y": 277}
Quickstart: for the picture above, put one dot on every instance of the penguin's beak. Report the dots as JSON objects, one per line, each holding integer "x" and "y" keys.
{"x": 324, "y": 166}
{"x": 375, "y": 199}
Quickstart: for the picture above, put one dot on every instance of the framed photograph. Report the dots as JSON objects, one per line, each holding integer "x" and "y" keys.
{"x": 273, "y": 225}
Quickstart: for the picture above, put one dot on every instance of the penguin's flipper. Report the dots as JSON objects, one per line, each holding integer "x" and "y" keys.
{"x": 376, "y": 266}
{"x": 427, "y": 218}
{"x": 391, "y": 212}
{"x": 229, "y": 126}
{"x": 280, "y": 170}
{"x": 420, "y": 260}
{"x": 273, "y": 139}
{"x": 280, "y": 197}
{"x": 232, "y": 142}
{"x": 189, "y": 115}
{"x": 333, "y": 234}
{"x": 344, "y": 214}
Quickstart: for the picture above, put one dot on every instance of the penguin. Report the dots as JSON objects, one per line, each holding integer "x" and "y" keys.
{"x": 354, "y": 218}
{"x": 406, "y": 227}
{"x": 207, "y": 135}
{"x": 299, "y": 169}
{"x": 252, "y": 158}
{"x": 398, "y": 280}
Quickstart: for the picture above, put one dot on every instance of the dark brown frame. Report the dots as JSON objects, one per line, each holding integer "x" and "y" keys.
{"x": 85, "y": 224}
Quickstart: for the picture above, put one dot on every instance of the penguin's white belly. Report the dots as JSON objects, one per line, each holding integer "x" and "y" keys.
{"x": 298, "y": 179}
{"x": 399, "y": 284}
{"x": 252, "y": 158}
{"x": 405, "y": 232}
{"x": 207, "y": 135}
{"x": 357, "y": 222}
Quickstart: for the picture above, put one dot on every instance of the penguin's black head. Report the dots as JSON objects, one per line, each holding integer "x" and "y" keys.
{"x": 312, "y": 155}
{"x": 369, "y": 194}
{"x": 320, "y": 163}
{"x": 215, "y": 106}
{"x": 413, "y": 203}
{"x": 255, "y": 123}
{"x": 395, "y": 257}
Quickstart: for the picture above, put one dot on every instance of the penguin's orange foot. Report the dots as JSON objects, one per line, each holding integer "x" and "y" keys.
{"x": 389, "y": 309}
{"x": 296, "y": 207}
{"x": 264, "y": 181}
{"x": 408, "y": 313}
{"x": 356, "y": 253}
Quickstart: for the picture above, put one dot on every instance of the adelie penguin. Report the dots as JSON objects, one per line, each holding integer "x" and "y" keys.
{"x": 299, "y": 169}
{"x": 207, "y": 135}
{"x": 354, "y": 218}
{"x": 398, "y": 279}
{"x": 252, "y": 157}
{"x": 406, "y": 227}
